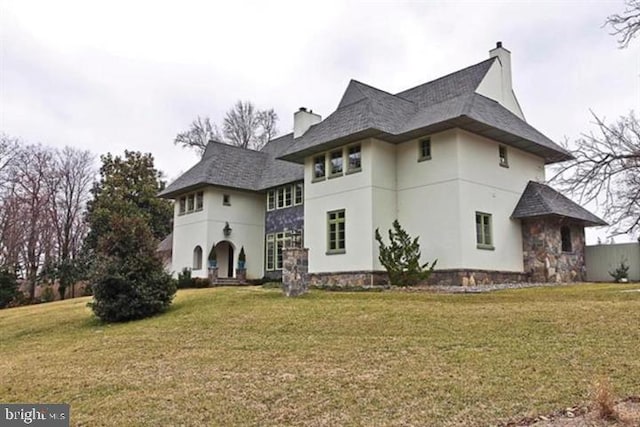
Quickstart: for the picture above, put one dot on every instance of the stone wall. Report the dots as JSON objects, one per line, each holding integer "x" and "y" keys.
{"x": 350, "y": 279}
{"x": 544, "y": 259}
{"x": 295, "y": 267}
{"x": 463, "y": 277}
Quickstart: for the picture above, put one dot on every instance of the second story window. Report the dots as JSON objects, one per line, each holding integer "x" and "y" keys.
{"x": 502, "y": 153}
{"x": 191, "y": 202}
{"x": 355, "y": 159}
{"x": 183, "y": 205}
{"x": 336, "y": 163}
{"x": 425, "y": 150}
{"x": 299, "y": 197}
{"x": 226, "y": 200}
{"x": 199, "y": 200}
{"x": 319, "y": 171}
{"x": 271, "y": 200}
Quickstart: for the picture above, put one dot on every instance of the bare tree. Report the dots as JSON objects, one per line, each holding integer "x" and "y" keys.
{"x": 243, "y": 126}
{"x": 200, "y": 132}
{"x": 268, "y": 120}
{"x": 606, "y": 171}
{"x": 70, "y": 184}
{"x": 33, "y": 167}
{"x": 626, "y": 25}
{"x": 8, "y": 150}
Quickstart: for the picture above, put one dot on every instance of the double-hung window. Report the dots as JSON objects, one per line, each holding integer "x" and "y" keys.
{"x": 425, "y": 150}
{"x": 484, "y": 237}
{"x": 335, "y": 163}
{"x": 336, "y": 232}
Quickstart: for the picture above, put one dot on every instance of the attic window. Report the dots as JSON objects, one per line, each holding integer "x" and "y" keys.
{"x": 425, "y": 150}
{"x": 226, "y": 200}
{"x": 504, "y": 160}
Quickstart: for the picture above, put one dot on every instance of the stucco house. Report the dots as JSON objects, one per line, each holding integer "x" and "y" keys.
{"x": 454, "y": 160}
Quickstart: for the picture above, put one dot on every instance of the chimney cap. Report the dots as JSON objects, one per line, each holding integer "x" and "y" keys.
{"x": 303, "y": 109}
{"x": 498, "y": 44}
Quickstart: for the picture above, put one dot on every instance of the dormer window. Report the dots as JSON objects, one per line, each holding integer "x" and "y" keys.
{"x": 502, "y": 153}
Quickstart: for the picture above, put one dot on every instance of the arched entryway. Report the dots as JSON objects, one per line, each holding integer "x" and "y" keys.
{"x": 225, "y": 256}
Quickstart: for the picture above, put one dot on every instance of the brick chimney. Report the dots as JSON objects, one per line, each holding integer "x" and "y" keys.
{"x": 303, "y": 120}
{"x": 505, "y": 60}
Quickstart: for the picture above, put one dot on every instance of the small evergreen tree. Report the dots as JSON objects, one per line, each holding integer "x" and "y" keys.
{"x": 130, "y": 282}
{"x": 402, "y": 258}
{"x": 621, "y": 273}
{"x": 8, "y": 287}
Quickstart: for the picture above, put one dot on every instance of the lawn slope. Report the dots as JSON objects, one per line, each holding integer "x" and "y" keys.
{"x": 248, "y": 356}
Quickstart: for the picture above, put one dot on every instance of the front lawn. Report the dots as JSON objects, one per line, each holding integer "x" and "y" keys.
{"x": 249, "y": 356}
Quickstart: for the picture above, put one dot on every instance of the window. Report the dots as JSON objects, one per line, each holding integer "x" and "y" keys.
{"x": 565, "y": 236}
{"x": 199, "y": 200}
{"x": 425, "y": 150}
{"x": 355, "y": 159}
{"x": 191, "y": 198}
{"x": 276, "y": 242}
{"x": 197, "y": 258}
{"x": 299, "y": 189}
{"x": 190, "y": 203}
{"x": 280, "y": 197}
{"x": 319, "y": 171}
{"x": 483, "y": 231}
{"x": 504, "y": 160}
{"x": 271, "y": 200}
{"x": 288, "y": 200}
{"x": 336, "y": 163}
{"x": 226, "y": 200}
{"x": 336, "y": 232}
{"x": 270, "y": 255}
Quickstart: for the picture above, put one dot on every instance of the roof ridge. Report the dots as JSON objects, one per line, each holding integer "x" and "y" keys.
{"x": 358, "y": 83}
{"x": 446, "y": 76}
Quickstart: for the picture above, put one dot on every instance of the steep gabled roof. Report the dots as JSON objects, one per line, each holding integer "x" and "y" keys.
{"x": 541, "y": 200}
{"x": 230, "y": 166}
{"x": 461, "y": 82}
{"x": 444, "y": 103}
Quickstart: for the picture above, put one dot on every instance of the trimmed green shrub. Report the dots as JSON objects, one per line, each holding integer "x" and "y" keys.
{"x": 199, "y": 282}
{"x": 402, "y": 258}
{"x": 130, "y": 282}
{"x": 184, "y": 279}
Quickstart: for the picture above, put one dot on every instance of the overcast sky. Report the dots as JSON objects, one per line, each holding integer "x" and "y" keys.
{"x": 113, "y": 75}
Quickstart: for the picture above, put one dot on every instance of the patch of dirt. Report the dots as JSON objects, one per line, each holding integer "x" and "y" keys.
{"x": 627, "y": 414}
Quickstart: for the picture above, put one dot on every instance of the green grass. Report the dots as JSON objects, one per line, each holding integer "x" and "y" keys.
{"x": 249, "y": 356}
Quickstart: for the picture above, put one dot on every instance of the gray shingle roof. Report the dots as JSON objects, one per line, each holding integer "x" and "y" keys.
{"x": 541, "y": 200}
{"x": 229, "y": 166}
{"x": 450, "y": 101}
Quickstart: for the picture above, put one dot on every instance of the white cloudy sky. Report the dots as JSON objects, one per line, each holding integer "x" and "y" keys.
{"x": 115, "y": 75}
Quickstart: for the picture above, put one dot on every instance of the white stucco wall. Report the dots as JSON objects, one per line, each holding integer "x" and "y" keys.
{"x": 428, "y": 200}
{"x": 353, "y": 193}
{"x": 246, "y": 218}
